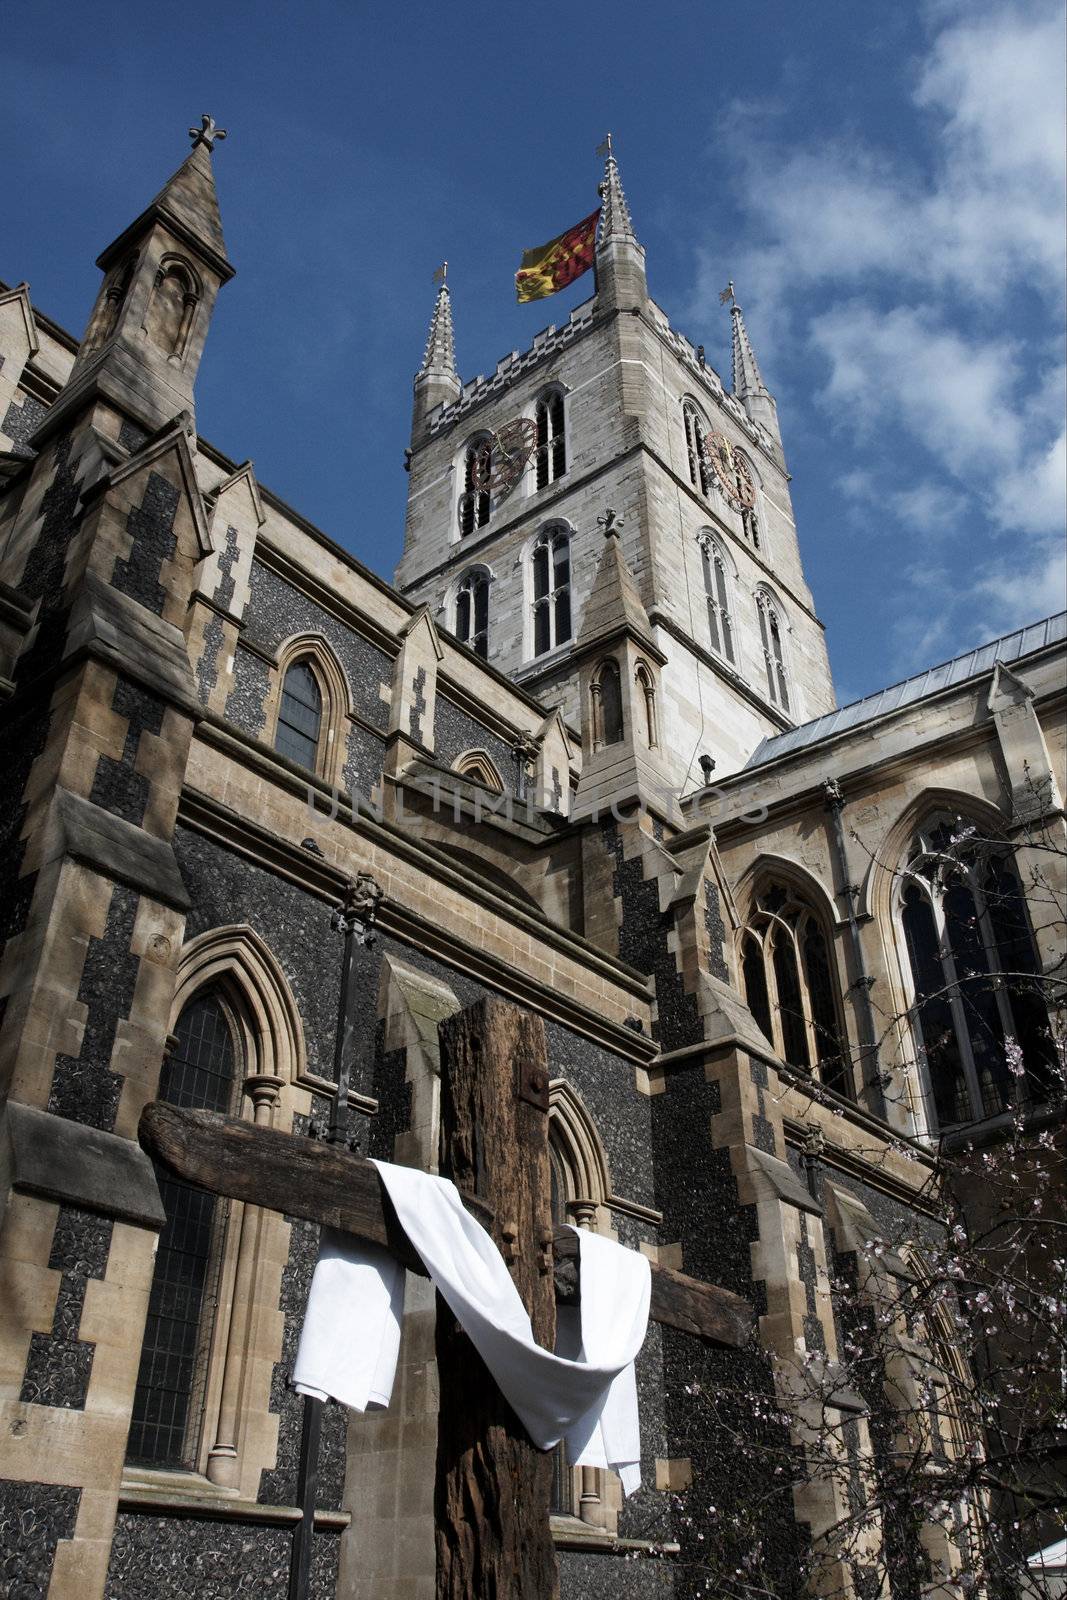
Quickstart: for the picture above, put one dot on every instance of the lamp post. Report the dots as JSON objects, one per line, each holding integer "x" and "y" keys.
{"x": 354, "y": 918}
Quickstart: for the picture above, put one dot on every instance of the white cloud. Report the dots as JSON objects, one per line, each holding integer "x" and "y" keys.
{"x": 907, "y": 366}
{"x": 1018, "y": 589}
{"x": 926, "y": 279}
{"x": 985, "y": 216}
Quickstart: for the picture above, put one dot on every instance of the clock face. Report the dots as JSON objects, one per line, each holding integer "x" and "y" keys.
{"x": 504, "y": 456}
{"x": 730, "y": 470}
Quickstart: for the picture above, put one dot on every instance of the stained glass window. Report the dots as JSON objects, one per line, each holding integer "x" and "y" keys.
{"x": 199, "y": 1073}
{"x": 299, "y": 716}
{"x": 973, "y": 970}
{"x": 789, "y": 982}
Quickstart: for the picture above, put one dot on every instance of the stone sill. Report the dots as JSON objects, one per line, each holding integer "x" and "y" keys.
{"x": 570, "y": 1533}
{"x": 188, "y": 1494}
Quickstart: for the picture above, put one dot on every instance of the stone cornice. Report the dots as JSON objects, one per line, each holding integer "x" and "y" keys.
{"x": 267, "y": 764}
{"x": 872, "y": 774}
{"x": 318, "y": 877}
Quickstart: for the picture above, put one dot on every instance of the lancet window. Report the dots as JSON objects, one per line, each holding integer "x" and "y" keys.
{"x": 646, "y": 689}
{"x": 474, "y": 501}
{"x": 770, "y": 624}
{"x": 790, "y": 984}
{"x": 982, "y": 1029}
{"x": 717, "y": 590}
{"x": 745, "y": 482}
{"x": 299, "y": 716}
{"x": 200, "y": 1073}
{"x": 551, "y": 452}
{"x": 607, "y": 705}
{"x": 551, "y": 569}
{"x": 472, "y": 611}
{"x": 695, "y": 431}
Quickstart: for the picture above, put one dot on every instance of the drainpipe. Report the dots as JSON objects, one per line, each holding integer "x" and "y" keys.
{"x": 862, "y": 982}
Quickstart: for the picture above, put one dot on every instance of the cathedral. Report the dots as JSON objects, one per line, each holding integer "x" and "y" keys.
{"x": 585, "y": 751}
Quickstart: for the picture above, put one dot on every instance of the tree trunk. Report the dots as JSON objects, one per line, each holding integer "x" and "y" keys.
{"x": 493, "y": 1486}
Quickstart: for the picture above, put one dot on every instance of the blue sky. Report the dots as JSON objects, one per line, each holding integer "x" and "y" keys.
{"x": 885, "y": 185}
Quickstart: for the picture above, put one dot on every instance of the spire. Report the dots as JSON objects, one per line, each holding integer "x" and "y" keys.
{"x": 437, "y": 382}
{"x": 748, "y": 384}
{"x": 189, "y": 203}
{"x": 615, "y": 219}
{"x": 440, "y": 354}
{"x": 145, "y": 338}
{"x": 747, "y": 378}
{"x": 621, "y": 284}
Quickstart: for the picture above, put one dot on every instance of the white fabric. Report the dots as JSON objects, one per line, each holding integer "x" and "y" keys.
{"x": 586, "y": 1393}
{"x": 351, "y": 1335}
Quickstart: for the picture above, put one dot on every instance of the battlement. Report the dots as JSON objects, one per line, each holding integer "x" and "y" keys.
{"x": 549, "y": 341}
{"x": 514, "y": 365}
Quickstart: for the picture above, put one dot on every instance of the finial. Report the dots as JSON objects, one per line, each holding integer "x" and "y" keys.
{"x": 609, "y": 522}
{"x": 441, "y": 275}
{"x": 207, "y": 133}
{"x": 727, "y": 294}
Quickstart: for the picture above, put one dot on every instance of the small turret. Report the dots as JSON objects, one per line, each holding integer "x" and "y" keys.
{"x": 620, "y": 260}
{"x": 748, "y": 384}
{"x": 619, "y": 671}
{"x": 437, "y": 381}
{"x": 146, "y": 335}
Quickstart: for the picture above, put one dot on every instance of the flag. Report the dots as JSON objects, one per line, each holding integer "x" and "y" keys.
{"x": 552, "y": 266}
{"x": 727, "y": 293}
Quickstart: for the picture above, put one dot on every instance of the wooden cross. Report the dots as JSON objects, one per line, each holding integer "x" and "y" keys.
{"x": 494, "y": 1146}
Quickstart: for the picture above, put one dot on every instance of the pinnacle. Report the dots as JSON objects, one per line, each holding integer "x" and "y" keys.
{"x": 189, "y": 200}
{"x": 747, "y": 378}
{"x": 614, "y": 604}
{"x": 190, "y": 195}
{"x": 615, "y": 219}
{"x": 439, "y": 356}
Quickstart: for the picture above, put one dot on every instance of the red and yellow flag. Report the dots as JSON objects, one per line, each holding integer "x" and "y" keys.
{"x": 550, "y": 267}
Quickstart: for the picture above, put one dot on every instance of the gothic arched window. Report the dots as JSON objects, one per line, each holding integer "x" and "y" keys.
{"x": 550, "y": 561}
{"x": 717, "y": 590}
{"x": 646, "y": 687}
{"x": 770, "y": 626}
{"x": 607, "y": 705}
{"x": 299, "y": 716}
{"x": 551, "y": 454}
{"x": 200, "y": 1073}
{"x": 746, "y": 476}
{"x": 474, "y": 501}
{"x": 472, "y": 611}
{"x": 695, "y": 430}
{"x": 790, "y": 986}
{"x": 173, "y": 301}
{"x": 974, "y": 973}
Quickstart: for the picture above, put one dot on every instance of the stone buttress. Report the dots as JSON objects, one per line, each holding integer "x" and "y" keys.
{"x": 105, "y": 533}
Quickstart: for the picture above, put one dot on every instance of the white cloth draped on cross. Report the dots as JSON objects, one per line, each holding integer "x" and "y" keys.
{"x": 585, "y": 1393}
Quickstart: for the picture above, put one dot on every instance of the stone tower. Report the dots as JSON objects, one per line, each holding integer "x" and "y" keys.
{"x": 616, "y": 406}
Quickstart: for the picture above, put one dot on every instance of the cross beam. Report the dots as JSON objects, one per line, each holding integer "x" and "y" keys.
{"x": 327, "y": 1184}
